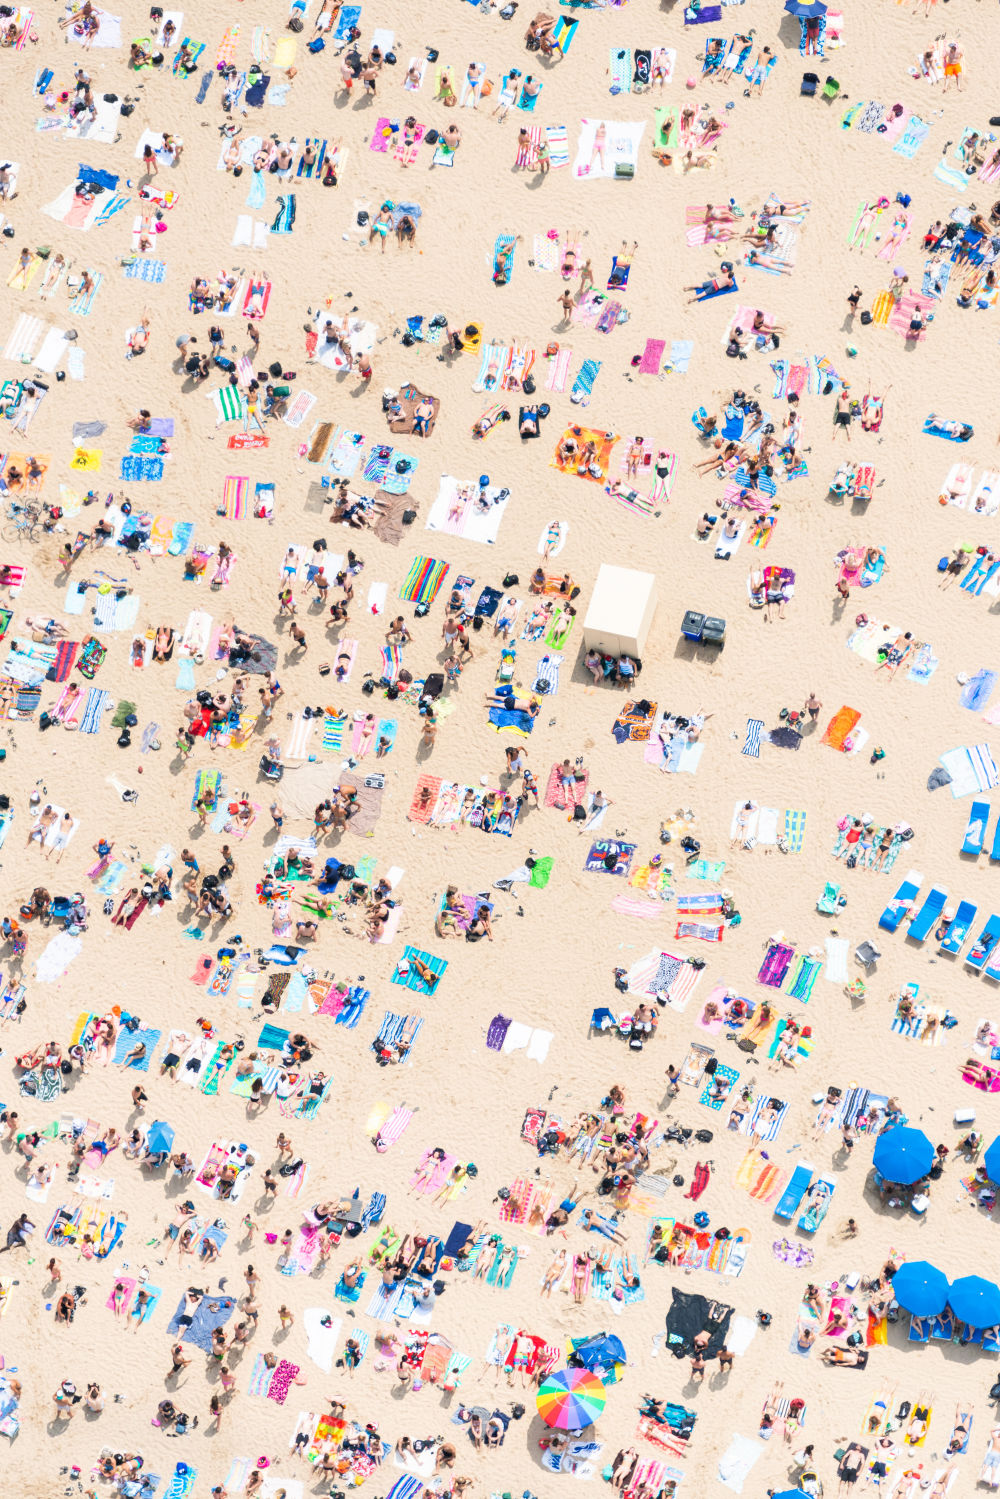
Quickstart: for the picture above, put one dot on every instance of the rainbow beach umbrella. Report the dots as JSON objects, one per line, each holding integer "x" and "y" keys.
{"x": 570, "y": 1399}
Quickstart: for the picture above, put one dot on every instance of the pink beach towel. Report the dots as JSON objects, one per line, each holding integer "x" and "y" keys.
{"x": 281, "y": 1381}
{"x": 649, "y": 364}
{"x": 234, "y": 496}
{"x": 559, "y": 370}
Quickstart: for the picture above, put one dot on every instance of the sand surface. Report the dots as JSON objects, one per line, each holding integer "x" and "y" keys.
{"x": 555, "y": 949}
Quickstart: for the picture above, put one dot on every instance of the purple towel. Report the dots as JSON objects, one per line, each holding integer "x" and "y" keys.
{"x": 700, "y": 17}
{"x": 161, "y": 426}
{"x": 775, "y": 966}
{"x": 497, "y": 1033}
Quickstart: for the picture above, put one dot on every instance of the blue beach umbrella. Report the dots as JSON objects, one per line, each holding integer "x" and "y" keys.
{"x": 903, "y": 1155}
{"x": 159, "y": 1137}
{"x": 921, "y": 1288}
{"x": 806, "y": 10}
{"x": 975, "y": 1301}
{"x": 991, "y": 1160}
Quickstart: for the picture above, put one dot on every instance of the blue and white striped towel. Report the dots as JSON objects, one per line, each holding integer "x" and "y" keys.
{"x": 751, "y": 746}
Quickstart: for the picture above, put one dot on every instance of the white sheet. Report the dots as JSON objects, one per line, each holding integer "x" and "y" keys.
{"x": 177, "y": 16}
{"x": 103, "y": 128}
{"x": 517, "y": 1037}
{"x": 54, "y": 960}
{"x": 109, "y": 35}
{"x": 736, "y": 1462}
{"x": 248, "y": 146}
{"x": 621, "y": 144}
{"x": 52, "y": 350}
{"x": 835, "y": 971}
{"x": 323, "y": 1342}
{"x": 473, "y": 524}
{"x": 767, "y": 825}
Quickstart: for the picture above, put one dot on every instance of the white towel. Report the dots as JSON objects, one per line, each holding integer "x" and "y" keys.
{"x": 767, "y": 825}
{"x": 322, "y": 1340}
{"x": 538, "y": 1046}
{"x": 727, "y": 545}
{"x": 518, "y": 1036}
{"x": 261, "y": 232}
{"x": 750, "y": 831}
{"x": 377, "y": 595}
{"x": 53, "y": 961}
{"x": 737, "y": 1461}
{"x": 741, "y": 1333}
{"x": 836, "y": 960}
{"x": 244, "y": 230}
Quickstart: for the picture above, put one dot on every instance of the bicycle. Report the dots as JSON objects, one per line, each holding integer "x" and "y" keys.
{"x": 23, "y": 521}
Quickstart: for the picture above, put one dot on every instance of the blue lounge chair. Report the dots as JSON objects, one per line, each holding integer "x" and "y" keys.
{"x": 958, "y": 932}
{"x": 984, "y": 944}
{"x": 995, "y": 850}
{"x": 794, "y": 1192}
{"x": 907, "y": 893}
{"x": 975, "y": 833}
{"x": 927, "y": 915}
{"x": 817, "y": 1204}
{"x": 920, "y": 1330}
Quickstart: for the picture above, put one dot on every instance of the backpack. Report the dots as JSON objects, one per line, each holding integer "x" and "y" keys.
{"x": 579, "y": 813}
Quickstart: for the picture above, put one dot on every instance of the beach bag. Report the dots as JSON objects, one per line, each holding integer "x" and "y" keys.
{"x": 317, "y": 44}
{"x": 625, "y": 169}
{"x": 579, "y": 813}
{"x": 295, "y": 23}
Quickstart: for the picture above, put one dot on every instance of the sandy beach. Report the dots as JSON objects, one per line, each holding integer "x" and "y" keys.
{"x": 501, "y": 1063}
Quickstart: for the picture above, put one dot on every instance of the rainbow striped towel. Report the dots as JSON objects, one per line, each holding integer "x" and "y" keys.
{"x": 235, "y": 492}
{"x": 423, "y": 580}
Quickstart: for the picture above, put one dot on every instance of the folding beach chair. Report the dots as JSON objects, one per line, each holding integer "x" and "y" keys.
{"x": 831, "y": 88}
{"x": 810, "y": 83}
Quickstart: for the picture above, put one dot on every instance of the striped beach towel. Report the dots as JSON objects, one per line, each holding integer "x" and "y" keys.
{"x": 527, "y": 153}
{"x": 805, "y": 976}
{"x": 235, "y": 493}
{"x": 559, "y": 370}
{"x": 423, "y": 580}
{"x": 405, "y": 1488}
{"x": 547, "y": 670}
{"x": 65, "y": 656}
{"x": 229, "y": 404}
{"x": 558, "y": 140}
{"x": 333, "y": 733}
{"x": 795, "y": 829}
{"x": 709, "y": 904}
{"x": 393, "y": 1128}
{"x": 98, "y": 701}
{"x": 704, "y": 931}
{"x": 260, "y": 1377}
{"x": 83, "y": 303}
{"x": 751, "y": 746}
{"x": 392, "y": 660}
